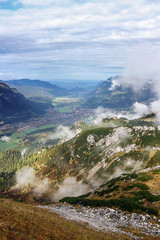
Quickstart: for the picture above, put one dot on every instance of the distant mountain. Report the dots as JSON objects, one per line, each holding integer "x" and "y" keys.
{"x": 14, "y": 106}
{"x": 36, "y": 88}
{"x": 32, "y": 83}
{"x": 11, "y": 101}
{"x": 117, "y": 97}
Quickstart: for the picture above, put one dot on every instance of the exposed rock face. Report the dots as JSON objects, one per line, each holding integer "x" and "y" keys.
{"x": 91, "y": 140}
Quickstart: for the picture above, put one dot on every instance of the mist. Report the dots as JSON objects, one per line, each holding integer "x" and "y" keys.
{"x": 23, "y": 152}
{"x": 70, "y": 188}
{"x": 141, "y": 109}
{"x": 62, "y": 132}
{"x": 41, "y": 188}
{"x": 5, "y": 139}
{"x": 100, "y": 113}
{"x": 25, "y": 176}
{"x": 142, "y": 67}
{"x": 142, "y": 70}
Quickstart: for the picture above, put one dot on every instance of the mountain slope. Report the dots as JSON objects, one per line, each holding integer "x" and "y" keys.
{"x": 15, "y": 107}
{"x": 24, "y": 221}
{"x": 93, "y": 157}
{"x": 10, "y": 100}
{"x": 117, "y": 97}
{"x": 36, "y": 88}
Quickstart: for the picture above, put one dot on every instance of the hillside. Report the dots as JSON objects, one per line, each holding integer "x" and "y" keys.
{"x": 114, "y": 166}
{"x": 117, "y": 97}
{"x": 24, "y": 221}
{"x": 37, "y": 90}
{"x": 11, "y": 100}
{"x": 93, "y": 156}
{"x": 15, "y": 107}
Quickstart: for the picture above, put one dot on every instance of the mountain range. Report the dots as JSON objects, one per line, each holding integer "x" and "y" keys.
{"x": 35, "y": 89}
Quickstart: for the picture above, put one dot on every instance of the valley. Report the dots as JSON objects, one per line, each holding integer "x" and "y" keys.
{"x": 79, "y": 120}
{"x": 83, "y": 164}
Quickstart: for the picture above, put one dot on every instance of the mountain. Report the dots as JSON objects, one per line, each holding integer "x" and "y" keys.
{"x": 14, "y": 106}
{"x": 36, "y": 88}
{"x": 31, "y": 83}
{"x": 94, "y": 154}
{"x": 113, "y": 96}
{"x": 12, "y": 103}
{"x": 114, "y": 166}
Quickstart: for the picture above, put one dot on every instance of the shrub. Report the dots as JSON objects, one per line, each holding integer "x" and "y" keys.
{"x": 108, "y": 190}
{"x": 141, "y": 186}
{"x": 128, "y": 204}
{"x": 144, "y": 177}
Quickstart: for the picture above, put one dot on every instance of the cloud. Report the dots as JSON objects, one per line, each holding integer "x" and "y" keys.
{"x": 62, "y": 132}
{"x": 5, "y": 139}
{"x": 142, "y": 68}
{"x": 23, "y": 152}
{"x": 70, "y": 188}
{"x": 41, "y": 188}
{"x": 140, "y": 109}
{"x": 43, "y": 3}
{"x": 25, "y": 176}
{"x": 74, "y": 39}
{"x": 100, "y": 113}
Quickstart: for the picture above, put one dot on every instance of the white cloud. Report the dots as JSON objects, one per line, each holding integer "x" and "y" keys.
{"x": 70, "y": 188}
{"x": 5, "y": 139}
{"x": 155, "y": 108}
{"x": 142, "y": 66}
{"x": 141, "y": 109}
{"x": 42, "y": 187}
{"x": 74, "y": 39}
{"x": 25, "y": 176}
{"x": 45, "y": 3}
{"x": 62, "y": 132}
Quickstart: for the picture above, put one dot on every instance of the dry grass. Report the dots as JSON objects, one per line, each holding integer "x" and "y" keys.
{"x": 19, "y": 221}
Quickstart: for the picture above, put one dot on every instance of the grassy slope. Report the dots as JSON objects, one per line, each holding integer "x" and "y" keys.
{"x": 27, "y": 222}
{"x": 16, "y": 138}
{"x": 131, "y": 192}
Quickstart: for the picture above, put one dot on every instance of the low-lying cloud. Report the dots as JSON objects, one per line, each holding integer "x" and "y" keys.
{"x": 25, "y": 176}
{"x": 5, "y": 139}
{"x": 62, "y": 132}
{"x": 23, "y": 152}
{"x": 41, "y": 188}
{"x": 102, "y": 113}
{"x": 70, "y": 188}
{"x": 141, "y": 109}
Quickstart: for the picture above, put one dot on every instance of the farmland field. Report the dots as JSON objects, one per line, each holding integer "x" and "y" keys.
{"x": 65, "y": 104}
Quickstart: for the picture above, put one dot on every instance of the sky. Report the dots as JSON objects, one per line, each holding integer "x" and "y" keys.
{"x": 74, "y": 39}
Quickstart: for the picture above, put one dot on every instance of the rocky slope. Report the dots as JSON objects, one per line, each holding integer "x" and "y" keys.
{"x": 114, "y": 166}
{"x": 95, "y": 155}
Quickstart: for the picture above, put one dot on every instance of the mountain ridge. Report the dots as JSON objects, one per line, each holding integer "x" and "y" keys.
{"x": 110, "y": 95}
